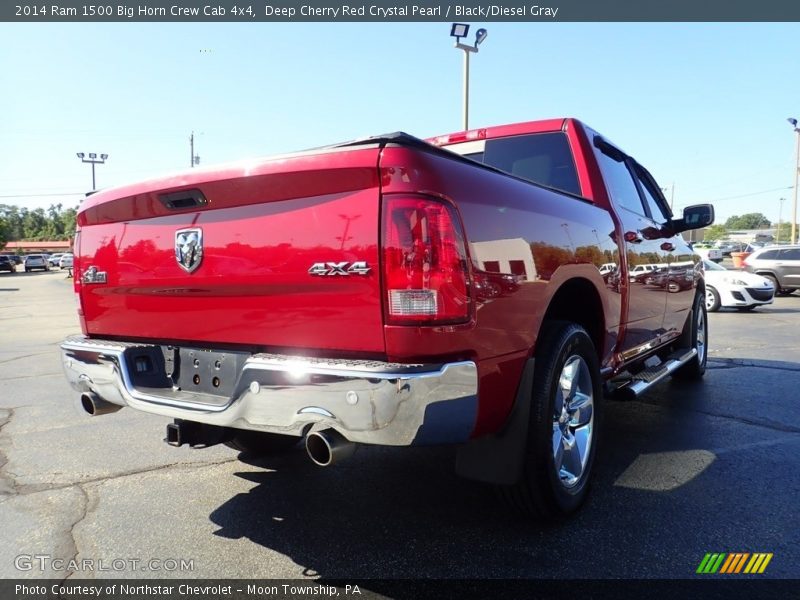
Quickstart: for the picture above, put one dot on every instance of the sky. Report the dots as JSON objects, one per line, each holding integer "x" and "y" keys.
{"x": 702, "y": 105}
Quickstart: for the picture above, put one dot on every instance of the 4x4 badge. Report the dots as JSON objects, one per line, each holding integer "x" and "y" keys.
{"x": 323, "y": 269}
{"x": 189, "y": 248}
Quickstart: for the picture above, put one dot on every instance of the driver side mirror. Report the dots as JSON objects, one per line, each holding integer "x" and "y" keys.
{"x": 694, "y": 217}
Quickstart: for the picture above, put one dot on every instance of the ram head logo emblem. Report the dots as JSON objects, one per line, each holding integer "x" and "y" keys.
{"x": 189, "y": 248}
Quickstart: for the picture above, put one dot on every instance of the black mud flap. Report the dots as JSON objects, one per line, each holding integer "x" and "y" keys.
{"x": 499, "y": 458}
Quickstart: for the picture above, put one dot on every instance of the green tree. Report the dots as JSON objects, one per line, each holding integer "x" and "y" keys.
{"x": 747, "y": 221}
{"x": 68, "y": 218}
{"x": 715, "y": 232}
{"x": 21, "y": 224}
{"x": 13, "y": 218}
{"x": 3, "y": 232}
{"x": 784, "y": 232}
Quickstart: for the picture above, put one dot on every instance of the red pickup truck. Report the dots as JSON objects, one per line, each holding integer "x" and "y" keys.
{"x": 393, "y": 291}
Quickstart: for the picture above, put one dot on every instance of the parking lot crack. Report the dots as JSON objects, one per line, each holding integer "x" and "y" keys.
{"x": 8, "y": 360}
{"x": 8, "y": 486}
{"x": 86, "y": 506}
{"x": 731, "y": 363}
{"x": 33, "y": 488}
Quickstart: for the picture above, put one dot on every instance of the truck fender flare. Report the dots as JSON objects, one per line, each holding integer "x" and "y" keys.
{"x": 498, "y": 458}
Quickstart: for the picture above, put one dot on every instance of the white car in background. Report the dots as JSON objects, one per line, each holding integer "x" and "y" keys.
{"x": 607, "y": 268}
{"x": 65, "y": 262}
{"x": 708, "y": 252}
{"x": 735, "y": 289}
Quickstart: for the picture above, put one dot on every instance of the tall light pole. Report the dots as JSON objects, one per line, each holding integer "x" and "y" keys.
{"x": 458, "y": 31}
{"x": 793, "y": 123}
{"x": 94, "y": 161}
{"x": 193, "y": 158}
{"x": 780, "y": 220}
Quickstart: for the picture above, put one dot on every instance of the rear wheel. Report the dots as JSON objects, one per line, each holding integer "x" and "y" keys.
{"x": 257, "y": 443}
{"x": 564, "y": 420}
{"x": 695, "y": 335}
{"x": 779, "y": 291}
{"x": 712, "y": 299}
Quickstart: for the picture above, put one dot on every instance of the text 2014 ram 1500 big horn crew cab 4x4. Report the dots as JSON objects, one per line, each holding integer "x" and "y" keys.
{"x": 393, "y": 291}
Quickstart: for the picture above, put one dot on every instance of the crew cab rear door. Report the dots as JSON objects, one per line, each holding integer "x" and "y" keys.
{"x": 681, "y": 279}
{"x": 642, "y": 240}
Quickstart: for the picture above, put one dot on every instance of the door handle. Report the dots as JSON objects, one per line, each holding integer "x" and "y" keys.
{"x": 633, "y": 237}
{"x": 668, "y": 246}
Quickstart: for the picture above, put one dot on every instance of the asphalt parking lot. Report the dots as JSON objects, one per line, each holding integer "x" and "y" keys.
{"x": 687, "y": 469}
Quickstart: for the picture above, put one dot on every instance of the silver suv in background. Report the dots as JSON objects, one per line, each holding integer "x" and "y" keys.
{"x": 780, "y": 264}
{"x": 36, "y": 261}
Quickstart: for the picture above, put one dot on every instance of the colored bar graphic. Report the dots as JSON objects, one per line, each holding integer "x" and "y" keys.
{"x": 717, "y": 564}
{"x": 703, "y": 563}
{"x": 741, "y": 562}
{"x": 730, "y": 563}
{"x": 764, "y": 564}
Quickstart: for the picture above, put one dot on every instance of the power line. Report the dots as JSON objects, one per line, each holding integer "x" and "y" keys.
{"x": 780, "y": 189}
{"x": 43, "y": 195}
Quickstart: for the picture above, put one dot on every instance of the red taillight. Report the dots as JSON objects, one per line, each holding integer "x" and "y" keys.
{"x": 424, "y": 262}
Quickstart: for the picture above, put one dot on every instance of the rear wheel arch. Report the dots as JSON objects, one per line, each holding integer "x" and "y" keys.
{"x": 766, "y": 273}
{"x": 578, "y": 301}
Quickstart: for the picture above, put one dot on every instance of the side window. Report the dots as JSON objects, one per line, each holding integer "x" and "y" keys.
{"x": 619, "y": 183}
{"x": 768, "y": 255}
{"x": 651, "y": 195}
{"x": 790, "y": 254}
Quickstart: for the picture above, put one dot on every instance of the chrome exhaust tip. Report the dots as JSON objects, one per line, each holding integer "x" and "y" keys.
{"x": 328, "y": 447}
{"x": 95, "y": 406}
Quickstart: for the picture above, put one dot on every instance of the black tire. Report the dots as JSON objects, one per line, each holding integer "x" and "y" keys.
{"x": 712, "y": 299}
{"x": 257, "y": 443}
{"x": 778, "y": 290}
{"x": 696, "y": 367}
{"x": 542, "y": 492}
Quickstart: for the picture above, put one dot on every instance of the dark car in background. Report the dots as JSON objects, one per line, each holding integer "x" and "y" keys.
{"x": 7, "y": 264}
{"x": 779, "y": 264}
{"x": 36, "y": 261}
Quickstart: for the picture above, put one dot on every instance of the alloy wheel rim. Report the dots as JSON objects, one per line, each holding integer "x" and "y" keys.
{"x": 700, "y": 338}
{"x": 709, "y": 299}
{"x": 573, "y": 421}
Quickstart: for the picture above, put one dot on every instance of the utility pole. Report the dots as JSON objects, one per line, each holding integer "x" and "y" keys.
{"x": 793, "y": 123}
{"x": 780, "y": 220}
{"x": 193, "y": 158}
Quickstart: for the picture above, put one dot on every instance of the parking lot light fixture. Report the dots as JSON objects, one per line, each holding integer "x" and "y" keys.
{"x": 458, "y": 31}
{"x": 93, "y": 160}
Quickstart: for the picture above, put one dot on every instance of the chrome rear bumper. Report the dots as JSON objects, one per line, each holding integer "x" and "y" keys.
{"x": 367, "y": 402}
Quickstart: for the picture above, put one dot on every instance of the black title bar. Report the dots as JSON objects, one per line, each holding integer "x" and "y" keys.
{"x": 286, "y": 11}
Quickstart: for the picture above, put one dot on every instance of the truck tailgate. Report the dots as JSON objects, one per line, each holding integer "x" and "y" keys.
{"x": 263, "y": 226}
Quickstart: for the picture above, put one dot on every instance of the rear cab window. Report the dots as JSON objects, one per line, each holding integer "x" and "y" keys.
{"x": 541, "y": 158}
